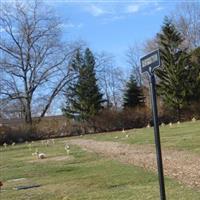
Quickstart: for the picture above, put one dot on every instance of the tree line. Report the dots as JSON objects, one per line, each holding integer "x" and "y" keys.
{"x": 37, "y": 68}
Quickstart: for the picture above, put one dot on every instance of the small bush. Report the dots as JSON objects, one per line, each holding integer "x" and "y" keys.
{"x": 16, "y": 134}
{"x": 112, "y": 120}
{"x": 193, "y": 110}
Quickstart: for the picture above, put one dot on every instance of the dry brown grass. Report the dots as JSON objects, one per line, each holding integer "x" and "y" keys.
{"x": 181, "y": 165}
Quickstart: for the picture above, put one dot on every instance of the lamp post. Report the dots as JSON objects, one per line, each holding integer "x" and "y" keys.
{"x": 148, "y": 63}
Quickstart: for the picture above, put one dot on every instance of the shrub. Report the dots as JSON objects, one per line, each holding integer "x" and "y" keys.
{"x": 136, "y": 117}
{"x": 106, "y": 120}
{"x": 112, "y": 120}
{"x": 16, "y": 134}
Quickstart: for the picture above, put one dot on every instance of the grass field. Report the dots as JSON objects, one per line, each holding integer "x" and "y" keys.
{"x": 184, "y": 136}
{"x": 83, "y": 175}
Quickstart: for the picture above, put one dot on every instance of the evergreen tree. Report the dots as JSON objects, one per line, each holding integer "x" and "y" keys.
{"x": 85, "y": 99}
{"x": 70, "y": 109}
{"x": 175, "y": 74}
{"x": 133, "y": 95}
{"x": 195, "y": 79}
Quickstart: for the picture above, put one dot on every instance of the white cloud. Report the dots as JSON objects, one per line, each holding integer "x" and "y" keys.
{"x": 132, "y": 8}
{"x": 159, "y": 8}
{"x": 154, "y": 9}
{"x": 95, "y": 10}
{"x": 143, "y": 7}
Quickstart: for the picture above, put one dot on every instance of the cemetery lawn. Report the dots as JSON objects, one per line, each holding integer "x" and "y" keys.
{"x": 184, "y": 136}
{"x": 86, "y": 175}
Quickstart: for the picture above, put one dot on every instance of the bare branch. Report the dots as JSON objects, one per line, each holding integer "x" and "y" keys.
{"x": 33, "y": 59}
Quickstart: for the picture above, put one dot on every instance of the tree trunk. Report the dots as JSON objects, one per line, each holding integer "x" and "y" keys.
{"x": 179, "y": 113}
{"x": 28, "y": 116}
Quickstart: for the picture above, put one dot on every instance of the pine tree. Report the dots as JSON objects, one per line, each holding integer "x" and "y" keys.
{"x": 85, "y": 99}
{"x": 175, "y": 72}
{"x": 195, "y": 79}
{"x": 70, "y": 109}
{"x": 133, "y": 94}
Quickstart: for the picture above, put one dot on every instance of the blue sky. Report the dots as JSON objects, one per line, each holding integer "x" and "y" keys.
{"x": 110, "y": 25}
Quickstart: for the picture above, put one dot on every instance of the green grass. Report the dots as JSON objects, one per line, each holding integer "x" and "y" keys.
{"x": 185, "y": 136}
{"x": 86, "y": 176}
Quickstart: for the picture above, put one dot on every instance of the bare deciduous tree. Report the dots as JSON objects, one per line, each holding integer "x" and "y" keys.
{"x": 151, "y": 45}
{"x": 33, "y": 62}
{"x": 133, "y": 55}
{"x": 187, "y": 20}
{"x": 111, "y": 80}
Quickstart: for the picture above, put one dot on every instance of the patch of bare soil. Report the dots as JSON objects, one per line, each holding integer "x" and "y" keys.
{"x": 17, "y": 180}
{"x": 181, "y": 165}
{"x": 56, "y": 158}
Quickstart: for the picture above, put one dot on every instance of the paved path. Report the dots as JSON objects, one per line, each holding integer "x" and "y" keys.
{"x": 181, "y": 165}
